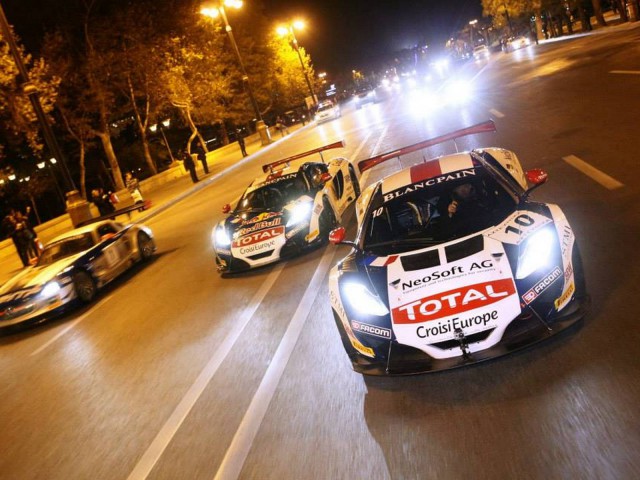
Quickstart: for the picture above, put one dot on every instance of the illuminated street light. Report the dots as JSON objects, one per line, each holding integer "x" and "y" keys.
{"x": 290, "y": 30}
{"x": 214, "y": 12}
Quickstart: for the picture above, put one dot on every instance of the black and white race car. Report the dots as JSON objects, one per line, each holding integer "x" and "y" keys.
{"x": 453, "y": 264}
{"x": 71, "y": 269}
{"x": 285, "y": 210}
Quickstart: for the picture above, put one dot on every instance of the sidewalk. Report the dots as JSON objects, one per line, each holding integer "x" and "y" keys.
{"x": 167, "y": 194}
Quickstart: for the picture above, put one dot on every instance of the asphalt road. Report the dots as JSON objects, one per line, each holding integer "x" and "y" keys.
{"x": 178, "y": 373}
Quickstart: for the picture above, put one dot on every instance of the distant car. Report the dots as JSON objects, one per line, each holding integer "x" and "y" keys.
{"x": 481, "y": 52}
{"x": 362, "y": 97}
{"x": 284, "y": 211}
{"x": 516, "y": 43}
{"x": 453, "y": 264}
{"x": 326, "y": 111}
{"x": 71, "y": 269}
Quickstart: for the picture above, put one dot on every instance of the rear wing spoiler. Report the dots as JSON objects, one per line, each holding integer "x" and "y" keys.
{"x": 483, "y": 127}
{"x": 271, "y": 166}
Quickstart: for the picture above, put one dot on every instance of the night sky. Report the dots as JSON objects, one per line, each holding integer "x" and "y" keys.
{"x": 341, "y": 34}
{"x": 346, "y": 34}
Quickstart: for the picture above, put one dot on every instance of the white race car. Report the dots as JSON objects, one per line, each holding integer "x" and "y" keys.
{"x": 72, "y": 268}
{"x": 453, "y": 264}
{"x": 285, "y": 210}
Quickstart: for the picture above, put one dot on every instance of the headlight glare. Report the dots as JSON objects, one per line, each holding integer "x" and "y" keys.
{"x": 299, "y": 213}
{"x": 537, "y": 253}
{"x": 51, "y": 289}
{"x": 362, "y": 300}
{"x": 222, "y": 237}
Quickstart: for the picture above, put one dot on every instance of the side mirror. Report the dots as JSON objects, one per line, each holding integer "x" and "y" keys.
{"x": 325, "y": 177}
{"x": 226, "y": 208}
{"x": 336, "y": 236}
{"x": 537, "y": 176}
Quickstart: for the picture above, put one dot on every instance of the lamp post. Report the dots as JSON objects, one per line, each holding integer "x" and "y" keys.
{"x": 158, "y": 126}
{"x": 219, "y": 10}
{"x": 290, "y": 30}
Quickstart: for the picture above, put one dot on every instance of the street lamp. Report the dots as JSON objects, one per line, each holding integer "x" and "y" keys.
{"x": 155, "y": 127}
{"x": 214, "y": 12}
{"x": 290, "y": 29}
{"x": 52, "y": 161}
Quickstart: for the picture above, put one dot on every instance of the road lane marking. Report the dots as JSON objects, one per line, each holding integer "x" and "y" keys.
{"x": 237, "y": 452}
{"x": 496, "y": 113}
{"x": 592, "y": 172}
{"x": 626, "y": 72}
{"x": 70, "y": 326}
{"x": 177, "y": 417}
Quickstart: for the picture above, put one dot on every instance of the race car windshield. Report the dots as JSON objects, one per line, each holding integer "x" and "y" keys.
{"x": 327, "y": 106}
{"x": 272, "y": 197}
{"x": 65, "y": 248}
{"x": 436, "y": 214}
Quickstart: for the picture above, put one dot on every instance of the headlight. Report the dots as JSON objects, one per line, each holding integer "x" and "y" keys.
{"x": 222, "y": 237}
{"x": 51, "y": 289}
{"x": 459, "y": 91}
{"x": 362, "y": 300}
{"x": 537, "y": 253}
{"x": 299, "y": 213}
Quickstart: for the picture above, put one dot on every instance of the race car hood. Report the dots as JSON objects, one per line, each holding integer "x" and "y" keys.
{"x": 461, "y": 289}
{"x": 37, "y": 276}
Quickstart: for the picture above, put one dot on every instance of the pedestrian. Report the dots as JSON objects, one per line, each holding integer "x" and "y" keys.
{"x": 9, "y": 228}
{"x": 102, "y": 201}
{"x": 190, "y": 165}
{"x": 243, "y": 147}
{"x": 281, "y": 126}
{"x": 133, "y": 186}
{"x": 23, "y": 218}
{"x": 202, "y": 156}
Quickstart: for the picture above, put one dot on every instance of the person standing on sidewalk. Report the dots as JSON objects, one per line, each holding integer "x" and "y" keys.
{"x": 133, "y": 186}
{"x": 190, "y": 165}
{"x": 202, "y": 156}
{"x": 9, "y": 228}
{"x": 243, "y": 147}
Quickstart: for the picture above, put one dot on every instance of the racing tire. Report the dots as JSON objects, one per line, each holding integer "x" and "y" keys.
{"x": 327, "y": 221}
{"x": 146, "y": 246}
{"x": 355, "y": 182}
{"x": 84, "y": 286}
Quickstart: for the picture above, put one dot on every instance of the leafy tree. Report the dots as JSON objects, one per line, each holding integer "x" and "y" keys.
{"x": 18, "y": 120}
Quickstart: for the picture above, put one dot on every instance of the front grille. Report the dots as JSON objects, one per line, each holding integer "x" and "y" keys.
{"x": 258, "y": 256}
{"x": 473, "y": 338}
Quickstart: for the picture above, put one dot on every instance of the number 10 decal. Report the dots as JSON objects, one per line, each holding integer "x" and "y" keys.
{"x": 522, "y": 220}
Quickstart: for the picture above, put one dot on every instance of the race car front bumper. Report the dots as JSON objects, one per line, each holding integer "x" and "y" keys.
{"x": 525, "y": 331}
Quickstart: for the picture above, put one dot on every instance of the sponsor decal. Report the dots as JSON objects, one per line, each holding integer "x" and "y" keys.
{"x": 566, "y": 239}
{"x": 519, "y": 226}
{"x": 563, "y": 299}
{"x": 260, "y": 226}
{"x": 382, "y": 261}
{"x": 484, "y": 321}
{"x": 428, "y": 183}
{"x": 261, "y": 217}
{"x": 541, "y": 286}
{"x": 268, "y": 245}
{"x": 256, "y": 237}
{"x": 371, "y": 329}
{"x": 453, "y": 272}
{"x": 453, "y": 302}
{"x": 317, "y": 209}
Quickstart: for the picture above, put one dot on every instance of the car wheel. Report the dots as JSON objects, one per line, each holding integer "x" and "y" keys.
{"x": 327, "y": 221}
{"x": 84, "y": 286}
{"x": 354, "y": 181}
{"x": 145, "y": 246}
